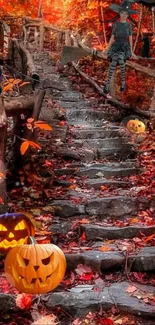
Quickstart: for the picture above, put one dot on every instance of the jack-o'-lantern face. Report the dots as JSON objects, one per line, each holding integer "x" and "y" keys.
{"x": 14, "y": 230}
{"x": 136, "y": 126}
{"x": 35, "y": 268}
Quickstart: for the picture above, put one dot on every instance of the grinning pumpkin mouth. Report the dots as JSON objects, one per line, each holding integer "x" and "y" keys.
{"x": 35, "y": 281}
{"x": 6, "y": 244}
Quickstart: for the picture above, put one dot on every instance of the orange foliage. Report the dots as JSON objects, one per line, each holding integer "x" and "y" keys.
{"x": 25, "y": 145}
{"x": 9, "y": 85}
{"x": 76, "y": 14}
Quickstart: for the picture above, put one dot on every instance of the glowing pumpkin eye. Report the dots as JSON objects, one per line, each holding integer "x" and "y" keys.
{"x": 20, "y": 226}
{"x": 3, "y": 228}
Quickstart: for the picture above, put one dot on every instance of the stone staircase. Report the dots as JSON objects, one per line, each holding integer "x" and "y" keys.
{"x": 97, "y": 154}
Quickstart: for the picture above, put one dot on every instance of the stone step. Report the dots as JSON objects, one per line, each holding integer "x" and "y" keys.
{"x": 88, "y": 154}
{"x": 123, "y": 153}
{"x": 81, "y": 300}
{"x": 112, "y": 206}
{"x": 114, "y": 259}
{"x": 87, "y": 115}
{"x": 111, "y": 170}
{"x": 94, "y": 183}
{"x": 108, "y": 143}
{"x": 97, "y": 232}
{"x": 58, "y": 132}
{"x": 80, "y": 104}
{"x": 67, "y": 96}
{"x": 95, "y": 133}
{"x": 84, "y": 155}
{"x": 97, "y": 183}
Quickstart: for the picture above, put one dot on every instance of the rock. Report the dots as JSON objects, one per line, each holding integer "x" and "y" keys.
{"x": 82, "y": 154}
{"x": 94, "y": 232}
{"x": 97, "y": 183}
{"x": 94, "y": 133}
{"x": 60, "y": 228}
{"x": 79, "y": 304}
{"x": 65, "y": 208}
{"x": 68, "y": 96}
{"x": 145, "y": 260}
{"x": 60, "y": 182}
{"x": 70, "y": 105}
{"x": 117, "y": 142}
{"x": 123, "y": 152}
{"x": 116, "y": 206}
{"x": 7, "y": 302}
{"x": 60, "y": 132}
{"x": 68, "y": 153}
{"x": 48, "y": 83}
{"x": 65, "y": 171}
{"x": 97, "y": 260}
{"x": 92, "y": 170}
{"x": 86, "y": 115}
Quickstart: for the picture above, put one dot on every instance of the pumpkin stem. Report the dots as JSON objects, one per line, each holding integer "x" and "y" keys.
{"x": 31, "y": 240}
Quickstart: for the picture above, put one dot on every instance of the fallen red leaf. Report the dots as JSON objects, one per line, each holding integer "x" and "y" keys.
{"x": 131, "y": 289}
{"x": 86, "y": 277}
{"x": 149, "y": 238}
{"x": 83, "y": 236}
{"x": 62, "y": 123}
{"x": 24, "y": 301}
{"x": 105, "y": 321}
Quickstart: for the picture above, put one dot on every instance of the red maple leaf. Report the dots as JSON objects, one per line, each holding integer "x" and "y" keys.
{"x": 86, "y": 277}
{"x": 24, "y": 301}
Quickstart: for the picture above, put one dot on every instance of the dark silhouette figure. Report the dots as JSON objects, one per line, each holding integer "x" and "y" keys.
{"x": 145, "y": 51}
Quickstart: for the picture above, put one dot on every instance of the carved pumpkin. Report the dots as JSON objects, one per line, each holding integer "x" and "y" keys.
{"x": 136, "y": 126}
{"x": 35, "y": 268}
{"x": 14, "y": 230}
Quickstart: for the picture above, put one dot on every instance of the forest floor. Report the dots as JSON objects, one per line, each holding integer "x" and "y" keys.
{"x": 91, "y": 192}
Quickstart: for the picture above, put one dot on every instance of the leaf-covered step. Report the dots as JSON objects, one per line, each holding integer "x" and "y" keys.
{"x": 68, "y": 95}
{"x": 80, "y": 104}
{"x": 89, "y": 153}
{"x": 86, "y": 115}
{"x": 81, "y": 154}
{"x": 123, "y": 152}
{"x": 115, "y": 206}
{"x": 112, "y": 206}
{"x": 95, "y": 133}
{"x": 96, "y": 232}
{"x": 81, "y": 302}
{"x": 108, "y": 170}
{"x": 112, "y": 259}
{"x": 97, "y": 183}
{"x": 108, "y": 143}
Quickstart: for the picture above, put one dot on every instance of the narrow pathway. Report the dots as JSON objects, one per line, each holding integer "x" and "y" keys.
{"x": 95, "y": 162}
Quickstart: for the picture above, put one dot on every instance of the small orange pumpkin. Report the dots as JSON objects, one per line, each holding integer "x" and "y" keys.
{"x": 136, "y": 126}
{"x": 35, "y": 268}
{"x": 15, "y": 228}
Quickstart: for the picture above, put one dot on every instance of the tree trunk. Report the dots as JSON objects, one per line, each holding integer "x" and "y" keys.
{"x": 152, "y": 105}
{"x": 19, "y": 106}
{"x": 3, "y": 134}
{"x": 41, "y": 38}
{"x": 29, "y": 61}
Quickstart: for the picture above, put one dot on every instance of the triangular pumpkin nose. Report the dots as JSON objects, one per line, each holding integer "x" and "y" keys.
{"x": 11, "y": 235}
